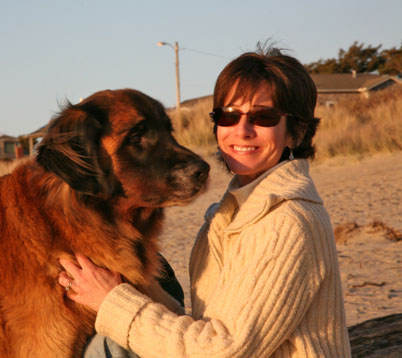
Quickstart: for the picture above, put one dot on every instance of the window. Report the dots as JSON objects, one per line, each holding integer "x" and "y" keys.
{"x": 9, "y": 147}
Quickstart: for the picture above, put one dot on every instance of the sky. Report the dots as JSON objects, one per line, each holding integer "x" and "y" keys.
{"x": 53, "y": 51}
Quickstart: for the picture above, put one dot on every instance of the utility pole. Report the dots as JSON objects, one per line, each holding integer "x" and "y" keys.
{"x": 176, "y": 51}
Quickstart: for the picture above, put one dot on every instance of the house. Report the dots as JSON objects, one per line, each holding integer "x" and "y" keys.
{"x": 332, "y": 87}
{"x": 13, "y": 148}
{"x": 33, "y": 137}
{"x": 10, "y": 148}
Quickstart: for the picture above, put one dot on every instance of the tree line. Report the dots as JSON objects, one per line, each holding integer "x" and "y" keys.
{"x": 361, "y": 58}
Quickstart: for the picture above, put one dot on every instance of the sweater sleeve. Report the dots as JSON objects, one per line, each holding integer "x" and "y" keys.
{"x": 261, "y": 299}
{"x": 151, "y": 330}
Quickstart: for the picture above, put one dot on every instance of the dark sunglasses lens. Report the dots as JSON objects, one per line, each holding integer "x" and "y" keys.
{"x": 268, "y": 117}
{"x": 265, "y": 117}
{"x": 224, "y": 118}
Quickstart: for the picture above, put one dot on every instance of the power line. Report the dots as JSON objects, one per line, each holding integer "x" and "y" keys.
{"x": 203, "y": 52}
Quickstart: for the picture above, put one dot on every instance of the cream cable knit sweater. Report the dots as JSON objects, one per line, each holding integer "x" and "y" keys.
{"x": 265, "y": 284}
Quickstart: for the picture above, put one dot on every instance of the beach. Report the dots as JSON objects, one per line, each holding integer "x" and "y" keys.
{"x": 363, "y": 197}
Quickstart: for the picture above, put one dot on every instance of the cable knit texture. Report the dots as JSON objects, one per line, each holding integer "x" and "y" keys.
{"x": 264, "y": 283}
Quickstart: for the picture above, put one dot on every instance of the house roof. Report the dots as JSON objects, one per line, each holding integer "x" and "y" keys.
{"x": 5, "y": 137}
{"x": 38, "y": 133}
{"x": 347, "y": 82}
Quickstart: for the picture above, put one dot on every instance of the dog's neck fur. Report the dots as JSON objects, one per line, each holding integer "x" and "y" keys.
{"x": 91, "y": 220}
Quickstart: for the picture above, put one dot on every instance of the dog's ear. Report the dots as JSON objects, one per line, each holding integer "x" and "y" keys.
{"x": 71, "y": 148}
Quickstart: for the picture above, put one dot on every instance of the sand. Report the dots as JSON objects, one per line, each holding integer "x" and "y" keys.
{"x": 363, "y": 197}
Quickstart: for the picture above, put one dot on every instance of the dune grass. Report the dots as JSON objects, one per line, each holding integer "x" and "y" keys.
{"x": 361, "y": 126}
{"x": 193, "y": 128}
{"x": 356, "y": 126}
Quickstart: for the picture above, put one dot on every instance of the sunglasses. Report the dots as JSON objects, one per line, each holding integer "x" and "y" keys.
{"x": 229, "y": 116}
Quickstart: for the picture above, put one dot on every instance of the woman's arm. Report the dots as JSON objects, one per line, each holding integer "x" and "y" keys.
{"x": 90, "y": 284}
{"x": 271, "y": 282}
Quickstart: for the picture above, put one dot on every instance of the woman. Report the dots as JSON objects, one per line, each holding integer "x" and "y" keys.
{"x": 264, "y": 273}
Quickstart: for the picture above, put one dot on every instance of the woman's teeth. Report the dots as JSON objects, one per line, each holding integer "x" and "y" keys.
{"x": 243, "y": 149}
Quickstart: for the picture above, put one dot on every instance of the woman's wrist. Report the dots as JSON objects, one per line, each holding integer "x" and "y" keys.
{"x": 118, "y": 310}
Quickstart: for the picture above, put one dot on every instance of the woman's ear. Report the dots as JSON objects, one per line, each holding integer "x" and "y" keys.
{"x": 289, "y": 141}
{"x": 294, "y": 141}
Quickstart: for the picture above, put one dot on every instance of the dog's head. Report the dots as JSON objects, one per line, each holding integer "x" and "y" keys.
{"x": 119, "y": 144}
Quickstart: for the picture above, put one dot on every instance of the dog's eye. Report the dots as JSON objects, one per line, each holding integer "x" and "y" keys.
{"x": 135, "y": 138}
{"x": 138, "y": 133}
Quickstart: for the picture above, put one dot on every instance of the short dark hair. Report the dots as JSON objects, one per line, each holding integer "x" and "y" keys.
{"x": 293, "y": 92}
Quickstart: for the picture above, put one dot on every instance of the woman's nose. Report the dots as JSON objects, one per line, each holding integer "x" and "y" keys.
{"x": 244, "y": 128}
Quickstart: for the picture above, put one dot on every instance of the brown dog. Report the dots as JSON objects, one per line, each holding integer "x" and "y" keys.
{"x": 103, "y": 173}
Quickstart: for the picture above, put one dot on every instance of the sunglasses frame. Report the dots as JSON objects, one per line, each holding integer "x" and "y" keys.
{"x": 247, "y": 114}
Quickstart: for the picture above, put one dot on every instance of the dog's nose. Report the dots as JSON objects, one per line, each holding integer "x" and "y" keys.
{"x": 201, "y": 171}
{"x": 196, "y": 170}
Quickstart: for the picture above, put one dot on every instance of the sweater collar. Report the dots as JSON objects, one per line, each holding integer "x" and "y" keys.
{"x": 241, "y": 193}
{"x": 289, "y": 181}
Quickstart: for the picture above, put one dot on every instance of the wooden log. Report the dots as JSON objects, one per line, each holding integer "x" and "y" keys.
{"x": 377, "y": 338}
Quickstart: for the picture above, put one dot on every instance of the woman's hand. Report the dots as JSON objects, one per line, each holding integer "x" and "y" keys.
{"x": 88, "y": 284}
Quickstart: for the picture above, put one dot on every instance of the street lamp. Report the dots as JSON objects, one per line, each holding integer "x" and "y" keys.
{"x": 176, "y": 51}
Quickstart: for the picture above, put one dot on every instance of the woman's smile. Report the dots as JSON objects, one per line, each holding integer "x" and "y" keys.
{"x": 244, "y": 149}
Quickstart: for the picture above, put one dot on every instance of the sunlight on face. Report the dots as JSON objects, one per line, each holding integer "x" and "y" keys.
{"x": 247, "y": 149}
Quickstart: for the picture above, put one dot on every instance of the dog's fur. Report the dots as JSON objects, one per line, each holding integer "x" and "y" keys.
{"x": 102, "y": 175}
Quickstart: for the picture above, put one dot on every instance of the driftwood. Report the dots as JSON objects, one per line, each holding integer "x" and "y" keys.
{"x": 377, "y": 338}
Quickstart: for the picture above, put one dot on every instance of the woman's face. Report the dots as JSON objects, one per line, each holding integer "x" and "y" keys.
{"x": 250, "y": 150}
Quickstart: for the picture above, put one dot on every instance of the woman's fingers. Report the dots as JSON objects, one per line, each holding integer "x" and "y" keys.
{"x": 70, "y": 267}
{"x": 77, "y": 272}
{"x": 66, "y": 281}
{"x": 88, "y": 282}
{"x": 85, "y": 262}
